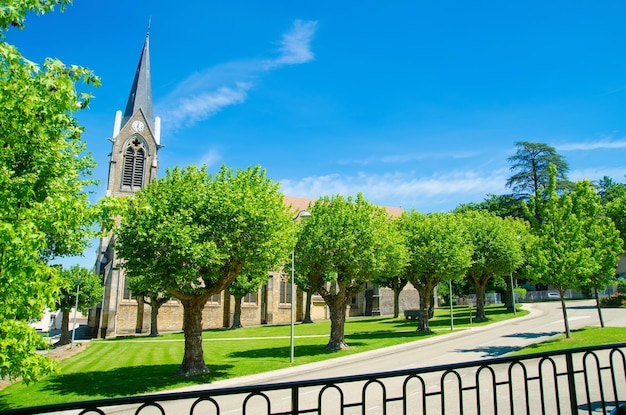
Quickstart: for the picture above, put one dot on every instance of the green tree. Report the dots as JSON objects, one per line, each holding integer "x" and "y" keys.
{"x": 73, "y": 281}
{"x": 145, "y": 293}
{"x": 193, "y": 234}
{"x": 345, "y": 243}
{"x": 613, "y": 197}
{"x": 497, "y": 251}
{"x": 394, "y": 277}
{"x": 602, "y": 239}
{"x": 439, "y": 250}
{"x": 244, "y": 284}
{"x": 557, "y": 254}
{"x": 44, "y": 210}
{"x": 500, "y": 205}
{"x": 530, "y": 164}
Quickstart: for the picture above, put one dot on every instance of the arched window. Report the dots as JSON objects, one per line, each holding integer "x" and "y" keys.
{"x": 134, "y": 162}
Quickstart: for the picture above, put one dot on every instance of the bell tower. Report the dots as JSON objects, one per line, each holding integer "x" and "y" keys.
{"x": 133, "y": 163}
{"x": 133, "y": 160}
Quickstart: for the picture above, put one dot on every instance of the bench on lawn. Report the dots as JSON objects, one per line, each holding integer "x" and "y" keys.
{"x": 411, "y": 314}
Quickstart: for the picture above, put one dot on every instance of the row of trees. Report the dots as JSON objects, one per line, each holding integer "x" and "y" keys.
{"x": 191, "y": 235}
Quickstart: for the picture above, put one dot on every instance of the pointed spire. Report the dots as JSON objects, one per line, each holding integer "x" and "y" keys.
{"x": 141, "y": 91}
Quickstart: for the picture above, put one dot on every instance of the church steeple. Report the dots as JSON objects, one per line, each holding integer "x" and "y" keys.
{"x": 140, "y": 96}
{"x": 136, "y": 135}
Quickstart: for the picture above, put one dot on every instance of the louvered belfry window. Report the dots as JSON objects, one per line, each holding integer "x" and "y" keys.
{"x": 134, "y": 162}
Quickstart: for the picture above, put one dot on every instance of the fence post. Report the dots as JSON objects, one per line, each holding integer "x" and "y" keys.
{"x": 571, "y": 382}
{"x": 294, "y": 400}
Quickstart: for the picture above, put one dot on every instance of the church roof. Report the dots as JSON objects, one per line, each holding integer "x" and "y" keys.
{"x": 298, "y": 204}
{"x": 140, "y": 96}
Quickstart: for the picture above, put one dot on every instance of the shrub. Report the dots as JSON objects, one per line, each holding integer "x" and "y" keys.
{"x": 618, "y": 300}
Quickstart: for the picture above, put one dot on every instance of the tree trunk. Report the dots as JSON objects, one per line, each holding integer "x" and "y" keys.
{"x": 139, "y": 321}
{"x": 425, "y": 294}
{"x": 480, "y": 301}
{"x": 595, "y": 294}
{"x": 193, "y": 361}
{"x": 154, "y": 317}
{"x": 337, "y": 323}
{"x": 565, "y": 320}
{"x": 396, "y": 300}
{"x": 307, "y": 308}
{"x": 237, "y": 314}
{"x": 65, "y": 329}
{"x": 509, "y": 295}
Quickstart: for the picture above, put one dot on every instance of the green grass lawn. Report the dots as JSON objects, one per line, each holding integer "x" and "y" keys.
{"x": 138, "y": 365}
{"x": 587, "y": 336}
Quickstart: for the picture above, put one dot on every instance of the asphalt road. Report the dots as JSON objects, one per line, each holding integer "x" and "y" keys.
{"x": 494, "y": 340}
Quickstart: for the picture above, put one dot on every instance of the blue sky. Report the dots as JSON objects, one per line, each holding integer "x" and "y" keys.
{"x": 415, "y": 103}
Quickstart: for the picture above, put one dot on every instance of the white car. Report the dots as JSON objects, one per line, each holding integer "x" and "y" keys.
{"x": 553, "y": 295}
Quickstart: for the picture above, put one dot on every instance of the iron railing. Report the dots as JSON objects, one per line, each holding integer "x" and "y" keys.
{"x": 590, "y": 380}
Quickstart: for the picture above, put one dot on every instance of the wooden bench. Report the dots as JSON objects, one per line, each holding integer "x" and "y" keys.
{"x": 411, "y": 314}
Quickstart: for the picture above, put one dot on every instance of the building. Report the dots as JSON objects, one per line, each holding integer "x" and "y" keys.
{"x": 133, "y": 163}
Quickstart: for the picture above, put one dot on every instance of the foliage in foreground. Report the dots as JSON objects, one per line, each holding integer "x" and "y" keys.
{"x": 44, "y": 209}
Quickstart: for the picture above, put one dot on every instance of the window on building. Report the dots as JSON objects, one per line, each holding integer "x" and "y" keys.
{"x": 127, "y": 295}
{"x": 285, "y": 292}
{"x": 134, "y": 163}
{"x": 250, "y": 298}
{"x": 214, "y": 299}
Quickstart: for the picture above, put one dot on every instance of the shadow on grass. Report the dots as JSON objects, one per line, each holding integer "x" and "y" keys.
{"x": 312, "y": 350}
{"x": 127, "y": 381}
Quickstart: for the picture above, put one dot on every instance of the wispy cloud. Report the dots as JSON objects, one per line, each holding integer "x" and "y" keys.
{"x": 295, "y": 46}
{"x": 404, "y": 189}
{"x": 210, "y": 158}
{"x": 410, "y": 157}
{"x": 205, "y": 93}
{"x": 604, "y": 143}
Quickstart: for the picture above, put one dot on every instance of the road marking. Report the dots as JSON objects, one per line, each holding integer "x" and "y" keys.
{"x": 571, "y": 319}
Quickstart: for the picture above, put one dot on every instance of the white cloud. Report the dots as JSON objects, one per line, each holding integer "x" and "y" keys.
{"x": 295, "y": 46}
{"x": 210, "y": 158}
{"x": 205, "y": 93}
{"x": 194, "y": 108}
{"x": 410, "y": 157}
{"x": 605, "y": 143}
{"x": 594, "y": 174}
{"x": 441, "y": 191}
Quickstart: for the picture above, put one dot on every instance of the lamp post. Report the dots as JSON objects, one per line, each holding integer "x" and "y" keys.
{"x": 301, "y": 214}
{"x": 451, "y": 308}
{"x": 75, "y": 308}
{"x": 512, "y": 293}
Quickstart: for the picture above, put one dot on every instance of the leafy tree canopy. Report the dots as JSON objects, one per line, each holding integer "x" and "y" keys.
{"x": 191, "y": 234}
{"x": 439, "y": 250}
{"x": 346, "y": 242}
{"x": 44, "y": 210}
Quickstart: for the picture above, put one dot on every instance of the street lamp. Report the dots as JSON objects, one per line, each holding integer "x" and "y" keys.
{"x": 75, "y": 308}
{"x": 301, "y": 214}
{"x": 512, "y": 293}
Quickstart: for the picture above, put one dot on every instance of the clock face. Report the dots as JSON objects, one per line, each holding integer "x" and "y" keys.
{"x": 137, "y": 126}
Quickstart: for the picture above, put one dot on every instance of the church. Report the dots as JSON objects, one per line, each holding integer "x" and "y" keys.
{"x": 134, "y": 163}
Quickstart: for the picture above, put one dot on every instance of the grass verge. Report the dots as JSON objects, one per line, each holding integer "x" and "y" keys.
{"x": 587, "y": 336}
{"x": 139, "y": 365}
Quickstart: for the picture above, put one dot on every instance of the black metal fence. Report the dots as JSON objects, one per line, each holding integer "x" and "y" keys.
{"x": 589, "y": 380}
